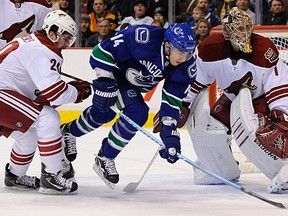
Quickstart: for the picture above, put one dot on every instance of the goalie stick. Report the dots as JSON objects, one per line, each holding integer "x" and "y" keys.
{"x": 182, "y": 157}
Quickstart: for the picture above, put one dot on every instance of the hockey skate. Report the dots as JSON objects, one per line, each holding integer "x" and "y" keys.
{"x": 67, "y": 170}
{"x": 51, "y": 183}
{"x": 13, "y": 181}
{"x": 106, "y": 170}
{"x": 68, "y": 142}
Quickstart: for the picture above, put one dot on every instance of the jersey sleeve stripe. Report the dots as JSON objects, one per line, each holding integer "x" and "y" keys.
{"x": 54, "y": 91}
{"x": 277, "y": 93}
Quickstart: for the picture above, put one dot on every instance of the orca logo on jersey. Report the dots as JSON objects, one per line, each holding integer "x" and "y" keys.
{"x": 192, "y": 70}
{"x": 137, "y": 79}
{"x": 142, "y": 35}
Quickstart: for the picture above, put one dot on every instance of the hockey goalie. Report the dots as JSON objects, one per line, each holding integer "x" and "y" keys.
{"x": 253, "y": 109}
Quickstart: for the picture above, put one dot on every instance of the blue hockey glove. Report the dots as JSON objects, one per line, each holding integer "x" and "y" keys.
{"x": 105, "y": 93}
{"x": 171, "y": 138}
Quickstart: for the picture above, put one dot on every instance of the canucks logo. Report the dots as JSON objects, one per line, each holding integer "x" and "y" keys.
{"x": 138, "y": 79}
{"x": 178, "y": 31}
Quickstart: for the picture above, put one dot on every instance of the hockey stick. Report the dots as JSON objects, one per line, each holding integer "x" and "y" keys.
{"x": 133, "y": 185}
{"x": 73, "y": 77}
{"x": 180, "y": 156}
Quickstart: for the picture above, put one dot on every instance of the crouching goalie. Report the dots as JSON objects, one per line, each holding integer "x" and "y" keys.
{"x": 253, "y": 109}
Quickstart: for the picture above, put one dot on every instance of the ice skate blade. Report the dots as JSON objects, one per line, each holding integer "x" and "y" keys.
{"x": 101, "y": 175}
{"x": 19, "y": 188}
{"x": 54, "y": 192}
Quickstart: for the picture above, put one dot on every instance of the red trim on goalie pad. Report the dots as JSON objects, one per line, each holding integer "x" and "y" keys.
{"x": 17, "y": 112}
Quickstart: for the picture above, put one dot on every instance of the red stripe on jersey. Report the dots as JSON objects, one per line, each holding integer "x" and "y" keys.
{"x": 46, "y": 3}
{"x": 276, "y": 71}
{"x": 277, "y": 93}
{"x": 19, "y": 105}
{"x": 21, "y": 159}
{"x": 49, "y": 148}
{"x": 54, "y": 91}
{"x": 196, "y": 87}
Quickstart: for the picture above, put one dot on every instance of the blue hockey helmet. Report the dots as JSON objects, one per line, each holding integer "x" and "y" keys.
{"x": 180, "y": 36}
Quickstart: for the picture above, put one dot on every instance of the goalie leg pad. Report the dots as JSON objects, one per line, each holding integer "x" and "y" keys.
{"x": 209, "y": 140}
{"x": 279, "y": 183}
{"x": 244, "y": 123}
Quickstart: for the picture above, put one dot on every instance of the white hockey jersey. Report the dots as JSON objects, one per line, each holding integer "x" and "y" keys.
{"x": 32, "y": 64}
{"x": 261, "y": 70}
{"x": 138, "y": 21}
{"x": 17, "y": 22}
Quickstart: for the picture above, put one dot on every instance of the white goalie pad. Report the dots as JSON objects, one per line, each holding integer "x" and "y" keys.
{"x": 210, "y": 144}
{"x": 279, "y": 183}
{"x": 244, "y": 123}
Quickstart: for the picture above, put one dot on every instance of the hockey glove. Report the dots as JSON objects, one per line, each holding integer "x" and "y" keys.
{"x": 157, "y": 124}
{"x": 83, "y": 88}
{"x": 42, "y": 100}
{"x": 273, "y": 134}
{"x": 105, "y": 93}
{"x": 171, "y": 138}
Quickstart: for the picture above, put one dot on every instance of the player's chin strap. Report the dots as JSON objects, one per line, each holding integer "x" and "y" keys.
{"x": 182, "y": 157}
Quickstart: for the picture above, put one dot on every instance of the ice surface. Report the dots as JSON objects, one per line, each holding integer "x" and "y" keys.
{"x": 165, "y": 190}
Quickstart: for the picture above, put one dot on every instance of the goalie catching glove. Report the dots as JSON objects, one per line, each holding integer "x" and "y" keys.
{"x": 105, "y": 93}
{"x": 171, "y": 139}
{"x": 83, "y": 88}
{"x": 273, "y": 133}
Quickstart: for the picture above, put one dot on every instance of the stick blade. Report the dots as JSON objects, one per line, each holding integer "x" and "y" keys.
{"x": 277, "y": 204}
{"x": 130, "y": 187}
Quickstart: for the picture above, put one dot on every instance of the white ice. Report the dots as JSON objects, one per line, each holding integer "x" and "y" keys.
{"x": 165, "y": 190}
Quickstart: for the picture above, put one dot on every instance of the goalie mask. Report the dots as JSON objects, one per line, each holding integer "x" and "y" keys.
{"x": 62, "y": 23}
{"x": 237, "y": 27}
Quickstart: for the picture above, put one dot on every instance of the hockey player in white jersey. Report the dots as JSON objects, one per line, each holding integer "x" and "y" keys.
{"x": 21, "y": 17}
{"x": 30, "y": 88}
{"x": 253, "y": 108}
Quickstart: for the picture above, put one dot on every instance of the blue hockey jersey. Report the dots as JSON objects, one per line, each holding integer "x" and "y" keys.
{"x": 138, "y": 52}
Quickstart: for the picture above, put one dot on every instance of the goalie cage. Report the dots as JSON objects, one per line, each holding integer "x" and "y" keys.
{"x": 279, "y": 35}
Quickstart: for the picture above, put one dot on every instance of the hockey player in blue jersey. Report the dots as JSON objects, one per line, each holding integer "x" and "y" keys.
{"x": 131, "y": 62}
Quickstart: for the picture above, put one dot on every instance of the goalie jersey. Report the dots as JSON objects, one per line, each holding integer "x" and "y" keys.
{"x": 138, "y": 53}
{"x": 261, "y": 70}
{"x": 20, "y": 19}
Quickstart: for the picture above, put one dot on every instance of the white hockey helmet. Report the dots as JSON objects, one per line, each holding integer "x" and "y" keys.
{"x": 237, "y": 27}
{"x": 63, "y": 23}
